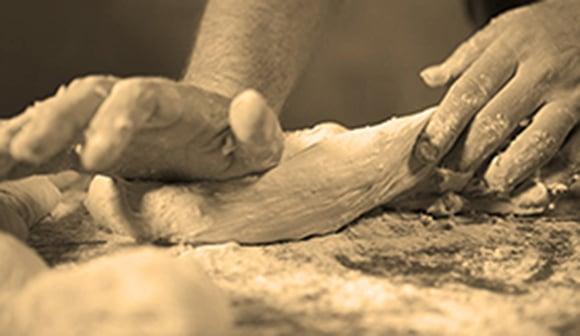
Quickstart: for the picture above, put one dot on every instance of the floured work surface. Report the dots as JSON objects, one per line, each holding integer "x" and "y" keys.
{"x": 386, "y": 273}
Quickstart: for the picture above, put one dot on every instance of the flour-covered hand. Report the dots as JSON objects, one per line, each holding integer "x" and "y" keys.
{"x": 519, "y": 76}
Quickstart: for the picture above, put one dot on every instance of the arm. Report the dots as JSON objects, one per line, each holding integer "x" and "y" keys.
{"x": 154, "y": 128}
{"x": 256, "y": 44}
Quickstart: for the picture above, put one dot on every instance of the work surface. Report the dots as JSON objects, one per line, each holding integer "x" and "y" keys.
{"x": 385, "y": 274}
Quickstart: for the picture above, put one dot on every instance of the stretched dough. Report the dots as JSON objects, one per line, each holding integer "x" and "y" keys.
{"x": 319, "y": 187}
{"x": 327, "y": 177}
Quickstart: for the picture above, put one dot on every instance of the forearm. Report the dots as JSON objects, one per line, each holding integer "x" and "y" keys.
{"x": 260, "y": 44}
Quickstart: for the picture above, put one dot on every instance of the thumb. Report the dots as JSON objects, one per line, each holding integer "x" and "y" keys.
{"x": 258, "y": 136}
{"x": 461, "y": 59}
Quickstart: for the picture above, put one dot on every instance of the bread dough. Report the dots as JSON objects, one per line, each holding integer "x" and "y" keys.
{"x": 141, "y": 292}
{"x": 327, "y": 178}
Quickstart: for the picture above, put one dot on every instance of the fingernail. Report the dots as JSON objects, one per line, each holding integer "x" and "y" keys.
{"x": 494, "y": 183}
{"x": 258, "y": 134}
{"x": 426, "y": 152}
{"x": 499, "y": 182}
{"x": 504, "y": 175}
{"x": 434, "y": 76}
{"x": 495, "y": 188}
{"x": 252, "y": 121}
{"x": 249, "y": 117}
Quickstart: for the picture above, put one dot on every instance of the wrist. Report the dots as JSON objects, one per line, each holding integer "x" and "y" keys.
{"x": 213, "y": 84}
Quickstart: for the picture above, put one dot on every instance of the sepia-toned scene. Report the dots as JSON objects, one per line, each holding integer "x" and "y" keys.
{"x": 290, "y": 167}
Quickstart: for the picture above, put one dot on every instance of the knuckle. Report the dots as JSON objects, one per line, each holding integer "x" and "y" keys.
{"x": 514, "y": 14}
{"x": 546, "y": 67}
{"x": 548, "y": 73}
{"x": 89, "y": 82}
{"x": 99, "y": 85}
{"x": 493, "y": 126}
{"x": 474, "y": 44}
{"x": 139, "y": 89}
{"x": 496, "y": 21}
{"x": 543, "y": 142}
{"x": 469, "y": 93}
{"x": 123, "y": 123}
{"x": 443, "y": 125}
{"x": 536, "y": 146}
{"x": 537, "y": 81}
{"x": 564, "y": 110}
{"x": 560, "y": 66}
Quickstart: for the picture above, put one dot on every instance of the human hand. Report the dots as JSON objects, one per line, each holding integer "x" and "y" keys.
{"x": 523, "y": 65}
{"x": 149, "y": 128}
{"x": 24, "y": 202}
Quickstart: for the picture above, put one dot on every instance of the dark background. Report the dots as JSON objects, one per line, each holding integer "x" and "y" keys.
{"x": 365, "y": 68}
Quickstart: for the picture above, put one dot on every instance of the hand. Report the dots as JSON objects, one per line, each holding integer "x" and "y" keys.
{"x": 149, "y": 128}
{"x": 524, "y": 65}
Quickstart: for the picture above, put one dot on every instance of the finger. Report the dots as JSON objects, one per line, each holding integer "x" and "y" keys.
{"x": 8, "y": 129}
{"x": 11, "y": 127}
{"x": 520, "y": 98}
{"x": 564, "y": 169}
{"x": 32, "y": 197}
{"x": 465, "y": 97}
{"x": 11, "y": 168}
{"x": 65, "y": 179}
{"x": 461, "y": 58}
{"x": 56, "y": 122}
{"x": 537, "y": 144}
{"x": 259, "y": 140}
{"x": 129, "y": 105}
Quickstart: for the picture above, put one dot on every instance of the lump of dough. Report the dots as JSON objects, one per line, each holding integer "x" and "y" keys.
{"x": 140, "y": 292}
{"x": 18, "y": 264}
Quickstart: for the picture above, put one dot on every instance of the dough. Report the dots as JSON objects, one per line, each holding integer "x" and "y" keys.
{"x": 18, "y": 264}
{"x": 327, "y": 178}
{"x": 140, "y": 292}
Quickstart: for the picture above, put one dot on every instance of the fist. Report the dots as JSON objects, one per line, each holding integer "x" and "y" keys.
{"x": 146, "y": 128}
